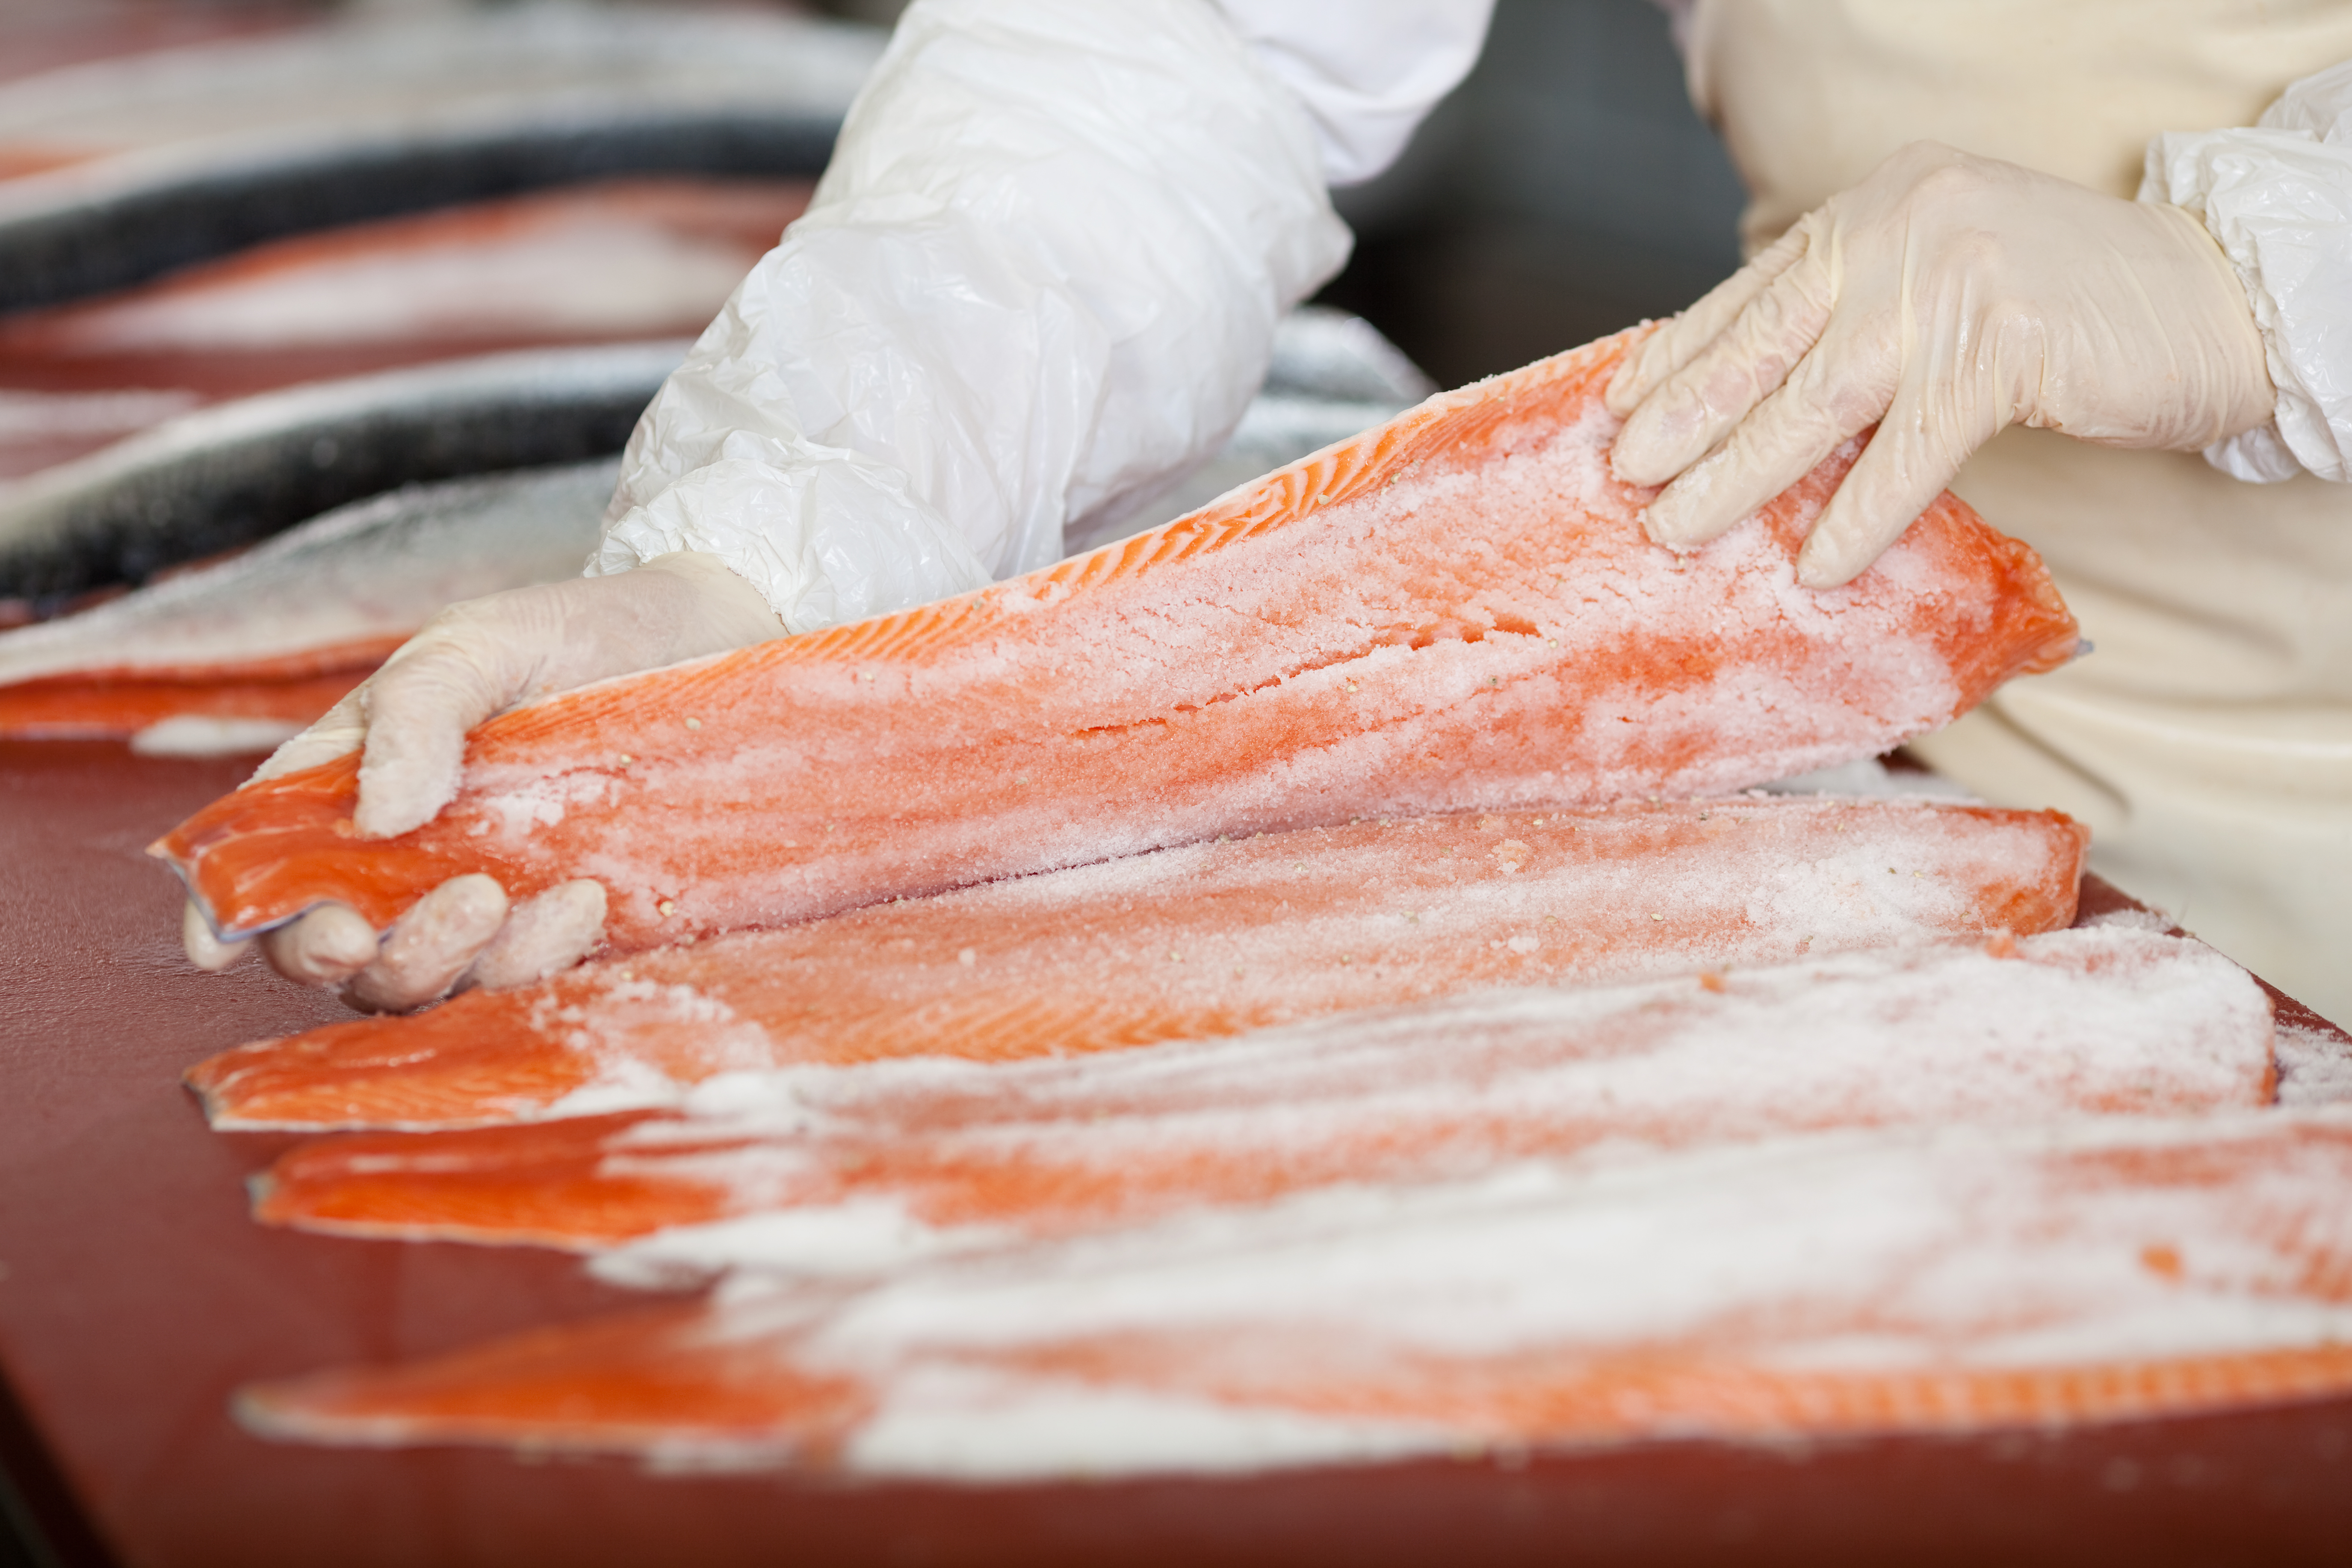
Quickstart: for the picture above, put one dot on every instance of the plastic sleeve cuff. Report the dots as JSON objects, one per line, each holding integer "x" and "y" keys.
{"x": 824, "y": 535}
{"x": 2279, "y": 203}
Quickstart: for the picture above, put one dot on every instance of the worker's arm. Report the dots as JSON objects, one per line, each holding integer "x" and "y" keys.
{"x": 1947, "y": 297}
{"x": 1943, "y": 299}
{"x": 2278, "y": 199}
{"x": 1040, "y": 278}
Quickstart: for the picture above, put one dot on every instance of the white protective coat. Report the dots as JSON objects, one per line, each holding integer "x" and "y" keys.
{"x": 1039, "y": 280}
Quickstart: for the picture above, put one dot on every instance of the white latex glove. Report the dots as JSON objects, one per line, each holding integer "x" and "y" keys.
{"x": 1944, "y": 297}
{"x": 411, "y": 718}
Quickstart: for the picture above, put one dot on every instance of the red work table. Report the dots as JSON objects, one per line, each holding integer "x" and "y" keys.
{"x": 135, "y": 1295}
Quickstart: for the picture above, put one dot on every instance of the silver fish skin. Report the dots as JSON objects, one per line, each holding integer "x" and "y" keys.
{"x": 180, "y": 155}
{"x": 376, "y": 568}
{"x": 237, "y": 472}
{"x": 226, "y": 475}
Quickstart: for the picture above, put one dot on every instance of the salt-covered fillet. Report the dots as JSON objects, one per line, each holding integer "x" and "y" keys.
{"x": 616, "y": 259}
{"x": 868, "y": 1166}
{"x": 282, "y": 630}
{"x": 1455, "y": 610}
{"x": 1834, "y": 1283}
{"x": 1184, "y": 944}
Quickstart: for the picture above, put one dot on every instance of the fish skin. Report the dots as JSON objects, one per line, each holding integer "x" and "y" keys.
{"x": 543, "y": 267}
{"x": 955, "y": 1156}
{"x": 227, "y": 476}
{"x": 1304, "y": 652}
{"x": 1967, "y": 1279}
{"x": 283, "y": 630}
{"x": 370, "y": 117}
{"x": 1202, "y": 941}
{"x": 601, "y": 262}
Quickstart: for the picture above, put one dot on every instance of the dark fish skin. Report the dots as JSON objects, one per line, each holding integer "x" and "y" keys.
{"x": 228, "y": 476}
{"x": 222, "y": 477}
{"x": 123, "y": 237}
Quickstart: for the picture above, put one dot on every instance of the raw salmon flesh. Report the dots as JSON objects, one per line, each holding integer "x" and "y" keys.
{"x": 1962, "y": 1279}
{"x": 865, "y": 1166}
{"x": 1213, "y": 939}
{"x": 1457, "y": 610}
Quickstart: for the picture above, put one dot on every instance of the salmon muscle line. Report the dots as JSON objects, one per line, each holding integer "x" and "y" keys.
{"x": 1457, "y": 610}
{"x": 1208, "y": 940}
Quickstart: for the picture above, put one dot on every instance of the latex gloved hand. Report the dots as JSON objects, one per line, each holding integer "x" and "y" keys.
{"x": 1944, "y": 297}
{"x": 410, "y": 720}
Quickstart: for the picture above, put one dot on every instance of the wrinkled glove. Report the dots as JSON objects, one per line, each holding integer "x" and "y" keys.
{"x": 410, "y": 720}
{"x": 1943, "y": 299}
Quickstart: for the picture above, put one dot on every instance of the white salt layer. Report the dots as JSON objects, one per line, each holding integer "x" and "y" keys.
{"x": 1851, "y": 1281}
{"x": 861, "y": 1166}
{"x": 2314, "y": 1065}
{"x": 1868, "y": 1254}
{"x": 193, "y": 735}
{"x": 1219, "y": 937}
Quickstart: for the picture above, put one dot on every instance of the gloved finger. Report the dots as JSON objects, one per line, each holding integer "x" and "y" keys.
{"x": 339, "y": 731}
{"x": 205, "y": 951}
{"x": 1838, "y": 391}
{"x": 551, "y": 933}
{"x": 430, "y": 945}
{"x": 1748, "y": 362}
{"x": 418, "y": 709}
{"x": 1909, "y": 461}
{"x": 1682, "y": 339}
{"x": 325, "y": 947}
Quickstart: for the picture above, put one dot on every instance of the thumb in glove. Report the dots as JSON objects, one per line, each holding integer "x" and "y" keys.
{"x": 410, "y": 720}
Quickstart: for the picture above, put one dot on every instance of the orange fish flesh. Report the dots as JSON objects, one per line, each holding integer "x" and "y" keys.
{"x": 1207, "y": 940}
{"x": 1455, "y": 610}
{"x": 112, "y": 704}
{"x": 1965, "y": 1278}
{"x": 858, "y": 1166}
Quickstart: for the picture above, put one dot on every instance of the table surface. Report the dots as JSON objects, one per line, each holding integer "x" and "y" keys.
{"x": 135, "y": 1295}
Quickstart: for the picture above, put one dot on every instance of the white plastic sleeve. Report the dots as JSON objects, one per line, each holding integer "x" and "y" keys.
{"x": 1367, "y": 74}
{"x": 2278, "y": 199}
{"x": 1041, "y": 275}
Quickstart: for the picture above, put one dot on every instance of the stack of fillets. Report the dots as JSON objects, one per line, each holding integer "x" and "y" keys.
{"x": 1310, "y": 984}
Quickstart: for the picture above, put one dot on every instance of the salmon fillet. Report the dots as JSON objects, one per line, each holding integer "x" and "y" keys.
{"x": 1455, "y": 610}
{"x": 284, "y": 629}
{"x": 862, "y": 1167}
{"x": 1207, "y": 940}
{"x": 112, "y": 704}
{"x": 1868, "y": 1282}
